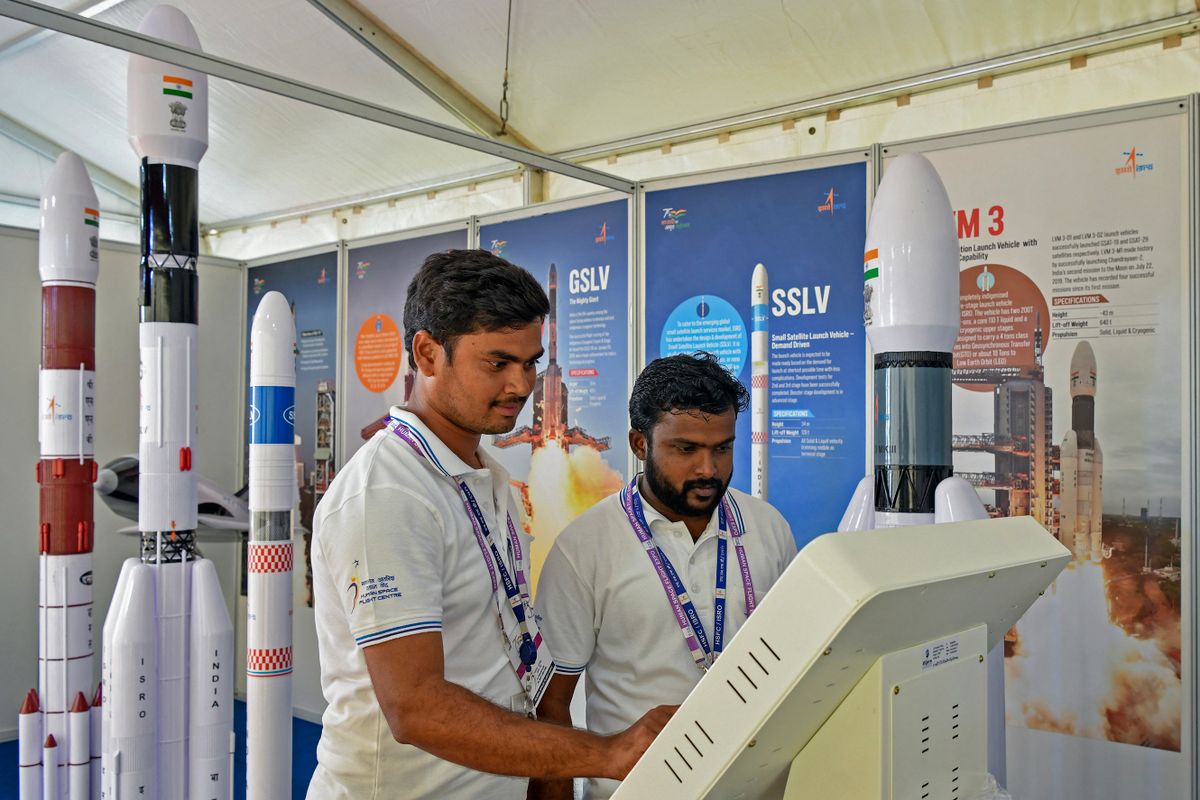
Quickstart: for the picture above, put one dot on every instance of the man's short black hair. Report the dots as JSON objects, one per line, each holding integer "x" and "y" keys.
{"x": 466, "y": 291}
{"x": 694, "y": 382}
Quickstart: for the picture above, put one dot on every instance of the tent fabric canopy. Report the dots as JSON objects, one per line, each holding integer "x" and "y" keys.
{"x": 582, "y": 72}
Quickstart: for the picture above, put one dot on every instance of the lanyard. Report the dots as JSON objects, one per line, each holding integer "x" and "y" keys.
{"x": 516, "y": 592}
{"x": 729, "y": 519}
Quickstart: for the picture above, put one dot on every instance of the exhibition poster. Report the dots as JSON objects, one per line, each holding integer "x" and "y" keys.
{"x": 570, "y": 448}
{"x": 378, "y": 375}
{"x": 807, "y": 228}
{"x": 1070, "y": 372}
{"x": 310, "y": 285}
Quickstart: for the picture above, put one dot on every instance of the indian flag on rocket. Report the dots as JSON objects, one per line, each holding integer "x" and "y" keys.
{"x": 179, "y": 87}
{"x": 91, "y": 217}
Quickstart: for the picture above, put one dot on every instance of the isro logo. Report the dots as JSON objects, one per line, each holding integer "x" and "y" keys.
{"x": 1133, "y": 165}
{"x": 672, "y": 219}
{"x": 360, "y": 270}
{"x": 53, "y": 414}
{"x": 603, "y": 237}
{"x": 830, "y": 203}
{"x": 498, "y": 246}
{"x": 259, "y": 284}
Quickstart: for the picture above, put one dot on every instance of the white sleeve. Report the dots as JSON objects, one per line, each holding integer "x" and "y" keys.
{"x": 385, "y": 548}
{"x": 566, "y": 613}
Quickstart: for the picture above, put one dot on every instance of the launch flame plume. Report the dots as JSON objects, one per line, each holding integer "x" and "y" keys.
{"x": 562, "y": 486}
{"x": 1077, "y": 672}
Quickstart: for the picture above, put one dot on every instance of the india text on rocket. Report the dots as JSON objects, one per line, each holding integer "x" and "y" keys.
{"x": 273, "y": 495}
{"x": 1082, "y": 464}
{"x": 68, "y": 260}
{"x": 168, "y": 708}
{"x": 760, "y": 382}
{"x": 911, "y": 313}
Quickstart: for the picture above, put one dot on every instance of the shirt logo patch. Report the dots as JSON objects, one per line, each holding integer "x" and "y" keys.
{"x": 380, "y": 588}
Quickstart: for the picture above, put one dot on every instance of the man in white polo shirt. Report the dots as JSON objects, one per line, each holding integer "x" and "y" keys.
{"x": 622, "y": 576}
{"x": 431, "y": 661}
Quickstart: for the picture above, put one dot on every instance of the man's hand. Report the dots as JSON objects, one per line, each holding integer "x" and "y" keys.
{"x": 629, "y": 744}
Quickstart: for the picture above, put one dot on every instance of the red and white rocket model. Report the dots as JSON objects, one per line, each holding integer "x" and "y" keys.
{"x": 273, "y": 495}
{"x": 1082, "y": 499}
{"x": 760, "y": 381}
{"x": 168, "y": 642}
{"x": 911, "y": 313}
{"x": 68, "y": 260}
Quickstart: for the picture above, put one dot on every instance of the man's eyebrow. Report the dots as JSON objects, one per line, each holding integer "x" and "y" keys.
{"x": 682, "y": 440}
{"x": 503, "y": 355}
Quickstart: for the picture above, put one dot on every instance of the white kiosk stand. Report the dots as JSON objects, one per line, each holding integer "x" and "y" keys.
{"x": 862, "y": 675}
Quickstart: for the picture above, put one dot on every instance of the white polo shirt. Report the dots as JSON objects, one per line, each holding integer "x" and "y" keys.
{"x": 394, "y": 554}
{"x": 602, "y": 608}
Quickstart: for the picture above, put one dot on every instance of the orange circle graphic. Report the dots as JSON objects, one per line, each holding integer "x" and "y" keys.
{"x": 377, "y": 352}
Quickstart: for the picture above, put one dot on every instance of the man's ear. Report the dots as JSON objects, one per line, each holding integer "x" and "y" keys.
{"x": 426, "y": 352}
{"x": 638, "y": 444}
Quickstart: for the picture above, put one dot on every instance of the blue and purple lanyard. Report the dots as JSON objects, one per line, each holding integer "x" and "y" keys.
{"x": 729, "y": 519}
{"x": 516, "y": 591}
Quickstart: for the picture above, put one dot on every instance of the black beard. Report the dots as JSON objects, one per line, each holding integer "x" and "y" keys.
{"x": 676, "y": 500}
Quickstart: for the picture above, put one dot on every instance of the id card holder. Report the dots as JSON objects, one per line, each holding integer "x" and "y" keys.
{"x": 534, "y": 677}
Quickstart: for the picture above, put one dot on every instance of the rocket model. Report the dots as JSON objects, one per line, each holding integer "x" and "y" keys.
{"x": 1082, "y": 464}
{"x": 68, "y": 251}
{"x": 550, "y": 400}
{"x": 760, "y": 382}
{"x": 910, "y": 292}
{"x": 911, "y": 313}
{"x": 168, "y": 705}
{"x": 273, "y": 495}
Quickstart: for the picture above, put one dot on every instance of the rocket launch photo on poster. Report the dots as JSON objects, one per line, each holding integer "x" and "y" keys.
{"x": 569, "y": 448}
{"x": 1067, "y": 407}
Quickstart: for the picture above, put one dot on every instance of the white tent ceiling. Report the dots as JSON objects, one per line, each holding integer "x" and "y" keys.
{"x": 582, "y": 72}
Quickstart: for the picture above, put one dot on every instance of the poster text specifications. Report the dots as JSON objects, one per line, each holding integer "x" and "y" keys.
{"x": 1088, "y": 272}
{"x": 589, "y": 341}
{"x": 314, "y": 351}
{"x": 806, "y": 390}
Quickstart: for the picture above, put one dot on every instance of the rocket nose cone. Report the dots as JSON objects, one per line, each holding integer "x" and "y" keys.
{"x": 1083, "y": 371}
{"x": 208, "y": 602}
{"x": 911, "y": 197}
{"x": 106, "y": 481}
{"x": 169, "y": 23}
{"x": 273, "y": 314}
{"x": 68, "y": 177}
{"x": 759, "y": 278}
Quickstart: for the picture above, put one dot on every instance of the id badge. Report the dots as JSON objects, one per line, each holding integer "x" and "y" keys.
{"x": 534, "y": 677}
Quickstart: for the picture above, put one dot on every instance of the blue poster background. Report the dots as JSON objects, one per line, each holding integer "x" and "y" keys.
{"x": 310, "y": 286}
{"x": 377, "y": 281}
{"x": 808, "y": 228}
{"x": 589, "y": 248}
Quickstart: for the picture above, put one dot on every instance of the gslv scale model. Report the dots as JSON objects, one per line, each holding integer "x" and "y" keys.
{"x": 270, "y": 553}
{"x": 550, "y": 399}
{"x": 911, "y": 313}
{"x": 760, "y": 382}
{"x": 68, "y": 260}
{"x": 168, "y": 641}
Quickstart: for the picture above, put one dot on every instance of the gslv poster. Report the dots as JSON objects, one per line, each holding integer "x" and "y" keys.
{"x": 807, "y": 229}
{"x": 310, "y": 286}
{"x": 378, "y": 375}
{"x": 569, "y": 447}
{"x": 1069, "y": 375}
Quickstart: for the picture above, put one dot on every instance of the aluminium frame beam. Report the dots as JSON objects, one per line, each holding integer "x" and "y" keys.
{"x": 132, "y": 42}
{"x": 401, "y": 56}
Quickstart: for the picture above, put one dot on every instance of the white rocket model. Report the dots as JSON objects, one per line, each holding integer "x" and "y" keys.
{"x": 1082, "y": 464}
{"x": 911, "y": 313}
{"x": 273, "y": 495}
{"x": 760, "y": 381}
{"x": 168, "y": 709}
{"x": 68, "y": 253}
